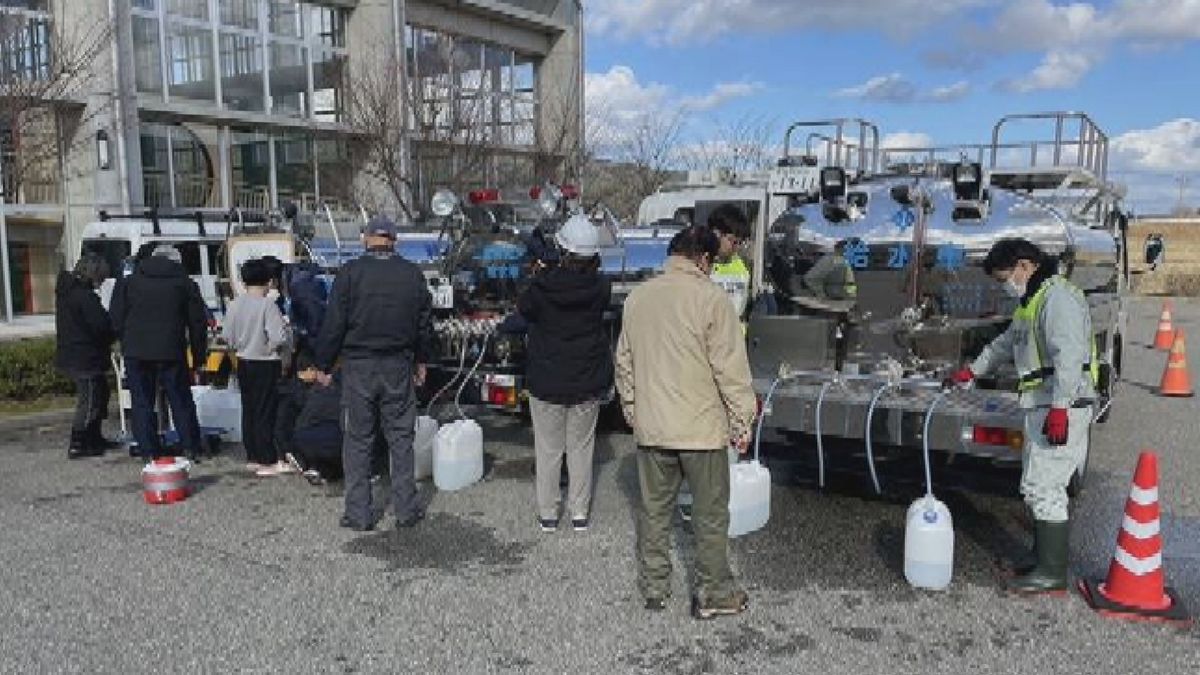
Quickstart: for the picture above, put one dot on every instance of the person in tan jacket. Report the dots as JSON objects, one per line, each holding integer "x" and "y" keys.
{"x": 685, "y": 387}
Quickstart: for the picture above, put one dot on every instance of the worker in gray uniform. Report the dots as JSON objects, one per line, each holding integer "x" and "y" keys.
{"x": 831, "y": 280}
{"x": 379, "y": 324}
{"x": 1051, "y": 342}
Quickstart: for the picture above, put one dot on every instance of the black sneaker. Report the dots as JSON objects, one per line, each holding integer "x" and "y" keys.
{"x": 685, "y": 512}
{"x": 548, "y": 524}
{"x": 580, "y": 524}
{"x": 357, "y": 527}
{"x": 313, "y": 477}
{"x": 733, "y": 604}
{"x": 656, "y": 604}
{"x": 410, "y": 521}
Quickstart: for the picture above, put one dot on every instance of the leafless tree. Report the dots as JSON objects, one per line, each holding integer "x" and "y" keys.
{"x": 745, "y": 144}
{"x": 631, "y": 156}
{"x": 449, "y": 125}
{"x": 45, "y": 72}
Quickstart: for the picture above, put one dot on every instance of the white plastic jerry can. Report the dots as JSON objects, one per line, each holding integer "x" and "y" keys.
{"x": 749, "y": 497}
{"x": 929, "y": 544}
{"x": 458, "y": 455}
{"x": 424, "y": 434}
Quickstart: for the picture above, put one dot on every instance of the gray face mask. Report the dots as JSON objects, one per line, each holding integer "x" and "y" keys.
{"x": 1014, "y": 289}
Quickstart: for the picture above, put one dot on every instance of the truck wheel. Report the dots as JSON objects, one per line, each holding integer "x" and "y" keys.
{"x": 1111, "y": 378}
{"x": 1079, "y": 480}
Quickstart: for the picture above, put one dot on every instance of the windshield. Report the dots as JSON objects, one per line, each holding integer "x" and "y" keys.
{"x": 114, "y": 252}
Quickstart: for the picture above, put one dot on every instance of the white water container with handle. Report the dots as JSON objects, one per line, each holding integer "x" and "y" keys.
{"x": 424, "y": 435}
{"x": 749, "y": 497}
{"x": 929, "y": 530}
{"x": 929, "y": 544}
{"x": 458, "y": 455}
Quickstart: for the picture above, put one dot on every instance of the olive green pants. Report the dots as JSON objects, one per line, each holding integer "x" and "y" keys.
{"x": 660, "y": 473}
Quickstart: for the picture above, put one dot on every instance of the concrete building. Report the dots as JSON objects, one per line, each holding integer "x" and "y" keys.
{"x": 215, "y": 104}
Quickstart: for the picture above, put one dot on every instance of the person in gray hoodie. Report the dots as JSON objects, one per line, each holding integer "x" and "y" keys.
{"x": 255, "y": 330}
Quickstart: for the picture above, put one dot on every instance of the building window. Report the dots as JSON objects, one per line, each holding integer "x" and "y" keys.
{"x": 156, "y": 172}
{"x": 285, "y": 18}
{"x": 240, "y": 14}
{"x": 294, "y": 169}
{"x": 289, "y": 79}
{"x": 193, "y": 150}
{"x": 242, "y": 71}
{"x": 24, "y": 42}
{"x": 190, "y": 51}
{"x": 329, "y": 72}
{"x": 250, "y": 163}
{"x": 188, "y": 9}
{"x": 147, "y": 54}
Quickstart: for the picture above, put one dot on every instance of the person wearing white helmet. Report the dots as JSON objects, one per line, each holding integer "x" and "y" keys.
{"x": 569, "y": 370}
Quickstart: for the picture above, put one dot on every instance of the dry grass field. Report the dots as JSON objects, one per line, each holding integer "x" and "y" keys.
{"x": 1180, "y": 274}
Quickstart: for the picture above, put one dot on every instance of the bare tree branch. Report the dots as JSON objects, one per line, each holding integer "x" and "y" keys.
{"x": 45, "y": 73}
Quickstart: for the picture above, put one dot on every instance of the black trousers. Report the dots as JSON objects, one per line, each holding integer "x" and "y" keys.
{"x": 378, "y": 398}
{"x": 259, "y": 383}
{"x": 144, "y": 379}
{"x": 91, "y": 400}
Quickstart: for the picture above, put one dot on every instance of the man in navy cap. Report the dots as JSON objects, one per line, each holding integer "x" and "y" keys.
{"x": 379, "y": 325}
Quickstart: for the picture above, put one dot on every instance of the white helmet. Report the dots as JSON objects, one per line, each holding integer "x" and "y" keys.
{"x": 579, "y": 236}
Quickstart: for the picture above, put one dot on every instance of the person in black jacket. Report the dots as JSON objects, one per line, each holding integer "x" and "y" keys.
{"x": 569, "y": 370}
{"x": 379, "y": 323}
{"x": 84, "y": 339}
{"x": 159, "y": 316}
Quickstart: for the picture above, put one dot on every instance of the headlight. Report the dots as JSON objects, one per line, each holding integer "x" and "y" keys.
{"x": 550, "y": 198}
{"x": 443, "y": 203}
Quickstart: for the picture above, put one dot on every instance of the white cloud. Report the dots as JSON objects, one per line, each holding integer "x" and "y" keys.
{"x": 1058, "y": 70}
{"x": 906, "y": 139}
{"x": 721, "y": 94}
{"x": 895, "y": 88}
{"x": 1171, "y": 147}
{"x": 619, "y": 95}
{"x": 680, "y": 21}
{"x": 1075, "y": 37}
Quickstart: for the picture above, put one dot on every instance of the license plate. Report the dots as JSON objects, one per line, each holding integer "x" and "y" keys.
{"x": 793, "y": 180}
{"x": 443, "y": 296}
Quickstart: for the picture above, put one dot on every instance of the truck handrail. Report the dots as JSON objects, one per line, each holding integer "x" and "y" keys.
{"x": 839, "y": 125}
{"x": 1091, "y": 145}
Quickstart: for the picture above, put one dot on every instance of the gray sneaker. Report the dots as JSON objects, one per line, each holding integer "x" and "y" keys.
{"x": 731, "y": 605}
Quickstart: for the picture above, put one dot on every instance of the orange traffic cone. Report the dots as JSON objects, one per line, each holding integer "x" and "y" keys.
{"x": 1165, "y": 337}
{"x": 1175, "y": 380}
{"x": 1136, "y": 587}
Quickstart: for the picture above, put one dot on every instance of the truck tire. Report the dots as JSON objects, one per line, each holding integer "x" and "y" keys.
{"x": 1110, "y": 379}
{"x": 1079, "y": 480}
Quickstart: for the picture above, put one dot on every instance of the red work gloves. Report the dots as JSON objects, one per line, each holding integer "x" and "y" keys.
{"x": 1055, "y": 428}
{"x": 960, "y": 378}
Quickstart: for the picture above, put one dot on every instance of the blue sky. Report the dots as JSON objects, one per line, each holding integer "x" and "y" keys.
{"x": 940, "y": 70}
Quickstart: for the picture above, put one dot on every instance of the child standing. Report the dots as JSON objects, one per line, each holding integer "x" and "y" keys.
{"x": 255, "y": 330}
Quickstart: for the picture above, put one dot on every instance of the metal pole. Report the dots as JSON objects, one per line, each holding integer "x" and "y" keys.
{"x": 8, "y": 296}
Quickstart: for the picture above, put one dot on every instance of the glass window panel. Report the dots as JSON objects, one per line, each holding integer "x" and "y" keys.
{"x": 289, "y": 80}
{"x": 193, "y": 151}
{"x": 26, "y": 53}
{"x": 151, "y": 5}
{"x": 33, "y": 5}
{"x": 240, "y": 13}
{"x": 191, "y": 71}
{"x": 335, "y": 172}
{"x": 523, "y": 111}
{"x": 294, "y": 169}
{"x": 242, "y": 72}
{"x": 328, "y": 26}
{"x": 191, "y": 9}
{"x": 156, "y": 184}
{"x": 250, "y": 167}
{"x": 329, "y": 71}
{"x": 523, "y": 77}
{"x": 147, "y": 56}
{"x": 285, "y": 18}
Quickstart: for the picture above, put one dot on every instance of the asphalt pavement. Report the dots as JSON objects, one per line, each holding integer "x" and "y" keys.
{"x": 253, "y": 575}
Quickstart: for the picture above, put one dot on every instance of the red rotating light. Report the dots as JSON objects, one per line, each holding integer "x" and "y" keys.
{"x": 570, "y": 192}
{"x": 486, "y": 196}
{"x": 535, "y": 192}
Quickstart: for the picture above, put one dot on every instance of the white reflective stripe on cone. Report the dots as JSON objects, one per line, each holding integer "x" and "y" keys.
{"x": 1138, "y": 566}
{"x": 1143, "y": 497}
{"x": 1140, "y": 530}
